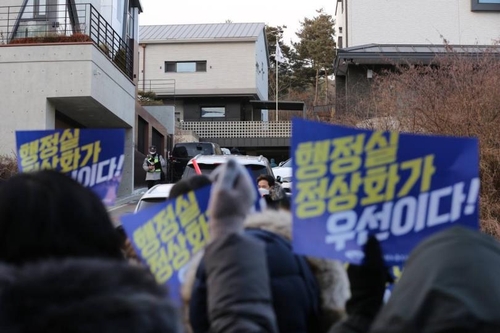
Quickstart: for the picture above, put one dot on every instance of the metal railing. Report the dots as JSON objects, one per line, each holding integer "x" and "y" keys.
{"x": 161, "y": 87}
{"x": 65, "y": 23}
{"x": 239, "y": 129}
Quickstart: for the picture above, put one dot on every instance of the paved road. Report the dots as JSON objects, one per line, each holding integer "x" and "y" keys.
{"x": 123, "y": 208}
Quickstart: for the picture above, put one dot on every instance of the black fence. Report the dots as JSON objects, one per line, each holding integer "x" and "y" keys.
{"x": 65, "y": 23}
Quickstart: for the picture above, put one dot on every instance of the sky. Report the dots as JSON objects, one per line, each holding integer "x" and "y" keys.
{"x": 271, "y": 12}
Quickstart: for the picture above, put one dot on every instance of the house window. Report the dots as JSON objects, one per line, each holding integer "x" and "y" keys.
{"x": 185, "y": 66}
{"x": 485, "y": 5}
{"x": 40, "y": 8}
{"x": 340, "y": 43}
{"x": 213, "y": 112}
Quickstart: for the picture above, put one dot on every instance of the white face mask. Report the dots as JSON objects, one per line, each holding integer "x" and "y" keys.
{"x": 152, "y": 152}
{"x": 263, "y": 191}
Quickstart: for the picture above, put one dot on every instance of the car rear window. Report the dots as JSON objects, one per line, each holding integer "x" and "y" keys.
{"x": 192, "y": 149}
{"x": 146, "y": 203}
{"x": 206, "y": 169}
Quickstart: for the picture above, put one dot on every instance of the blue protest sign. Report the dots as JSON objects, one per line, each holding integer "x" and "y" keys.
{"x": 349, "y": 183}
{"x": 167, "y": 236}
{"x": 93, "y": 157}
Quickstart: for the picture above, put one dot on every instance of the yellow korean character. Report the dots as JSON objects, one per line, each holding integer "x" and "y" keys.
{"x": 347, "y": 146}
{"x": 344, "y": 165}
{"x": 379, "y": 184}
{"x": 197, "y": 234}
{"x": 312, "y": 153}
{"x": 159, "y": 265}
{"x": 146, "y": 240}
{"x": 346, "y": 155}
{"x": 49, "y": 146}
{"x": 186, "y": 208}
{"x": 69, "y": 139}
{"x": 69, "y": 160}
{"x": 92, "y": 152}
{"x": 50, "y": 163}
{"x": 177, "y": 251}
{"x": 381, "y": 149}
{"x": 311, "y": 171}
{"x": 165, "y": 224}
{"x": 28, "y": 153}
{"x": 420, "y": 168}
{"x": 311, "y": 190}
{"x": 32, "y": 167}
{"x": 343, "y": 192}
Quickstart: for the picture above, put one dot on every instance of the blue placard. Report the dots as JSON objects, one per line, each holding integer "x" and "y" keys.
{"x": 94, "y": 157}
{"x": 167, "y": 236}
{"x": 349, "y": 183}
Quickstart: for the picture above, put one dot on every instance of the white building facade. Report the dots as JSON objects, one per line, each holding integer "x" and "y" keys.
{"x": 68, "y": 64}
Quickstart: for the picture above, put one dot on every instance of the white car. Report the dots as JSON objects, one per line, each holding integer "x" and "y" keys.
{"x": 284, "y": 172}
{"x": 205, "y": 164}
{"x": 156, "y": 194}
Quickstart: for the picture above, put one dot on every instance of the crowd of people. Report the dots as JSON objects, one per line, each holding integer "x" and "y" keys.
{"x": 66, "y": 268}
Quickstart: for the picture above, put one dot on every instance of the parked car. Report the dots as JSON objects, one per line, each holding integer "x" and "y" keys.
{"x": 283, "y": 173}
{"x": 185, "y": 151}
{"x": 155, "y": 195}
{"x": 202, "y": 164}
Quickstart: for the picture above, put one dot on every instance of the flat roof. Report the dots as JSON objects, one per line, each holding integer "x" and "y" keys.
{"x": 393, "y": 53}
{"x": 282, "y": 105}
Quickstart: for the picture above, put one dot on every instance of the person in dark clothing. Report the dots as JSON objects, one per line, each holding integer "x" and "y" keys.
{"x": 450, "y": 284}
{"x": 46, "y": 214}
{"x": 238, "y": 287}
{"x": 295, "y": 291}
{"x": 155, "y": 167}
{"x": 85, "y": 296}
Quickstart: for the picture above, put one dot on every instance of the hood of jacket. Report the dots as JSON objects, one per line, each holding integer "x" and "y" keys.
{"x": 449, "y": 284}
{"x": 83, "y": 295}
{"x": 330, "y": 275}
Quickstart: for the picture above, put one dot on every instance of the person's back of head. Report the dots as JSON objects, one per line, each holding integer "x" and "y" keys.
{"x": 47, "y": 214}
{"x": 85, "y": 296}
{"x": 449, "y": 284}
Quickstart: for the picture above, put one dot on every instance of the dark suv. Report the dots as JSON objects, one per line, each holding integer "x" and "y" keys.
{"x": 183, "y": 152}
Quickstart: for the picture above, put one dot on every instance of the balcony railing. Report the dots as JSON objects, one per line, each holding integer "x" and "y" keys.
{"x": 161, "y": 87}
{"x": 239, "y": 129}
{"x": 62, "y": 23}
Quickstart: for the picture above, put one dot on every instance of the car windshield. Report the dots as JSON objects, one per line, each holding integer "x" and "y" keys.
{"x": 192, "y": 149}
{"x": 287, "y": 164}
{"x": 255, "y": 169}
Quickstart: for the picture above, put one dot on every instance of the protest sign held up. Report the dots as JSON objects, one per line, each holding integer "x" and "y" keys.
{"x": 93, "y": 157}
{"x": 350, "y": 183}
{"x": 166, "y": 236}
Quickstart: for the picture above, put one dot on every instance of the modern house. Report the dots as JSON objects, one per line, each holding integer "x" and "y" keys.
{"x": 377, "y": 34}
{"x": 70, "y": 63}
{"x": 215, "y": 75}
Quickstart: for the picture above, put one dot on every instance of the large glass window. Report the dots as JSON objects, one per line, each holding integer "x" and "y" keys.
{"x": 213, "y": 112}
{"x": 40, "y": 8}
{"x": 185, "y": 66}
{"x": 485, "y": 5}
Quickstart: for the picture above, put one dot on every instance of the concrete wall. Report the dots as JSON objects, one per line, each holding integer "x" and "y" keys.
{"x": 417, "y": 22}
{"x": 165, "y": 115}
{"x": 231, "y": 67}
{"x": 32, "y": 75}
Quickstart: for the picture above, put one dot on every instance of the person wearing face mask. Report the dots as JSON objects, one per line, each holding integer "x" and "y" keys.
{"x": 154, "y": 165}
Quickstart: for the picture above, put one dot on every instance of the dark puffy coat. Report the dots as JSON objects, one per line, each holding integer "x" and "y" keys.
{"x": 450, "y": 284}
{"x": 85, "y": 296}
{"x": 294, "y": 289}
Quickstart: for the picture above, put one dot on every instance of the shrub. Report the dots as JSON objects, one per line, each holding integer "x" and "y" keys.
{"x": 8, "y": 166}
{"x": 456, "y": 95}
